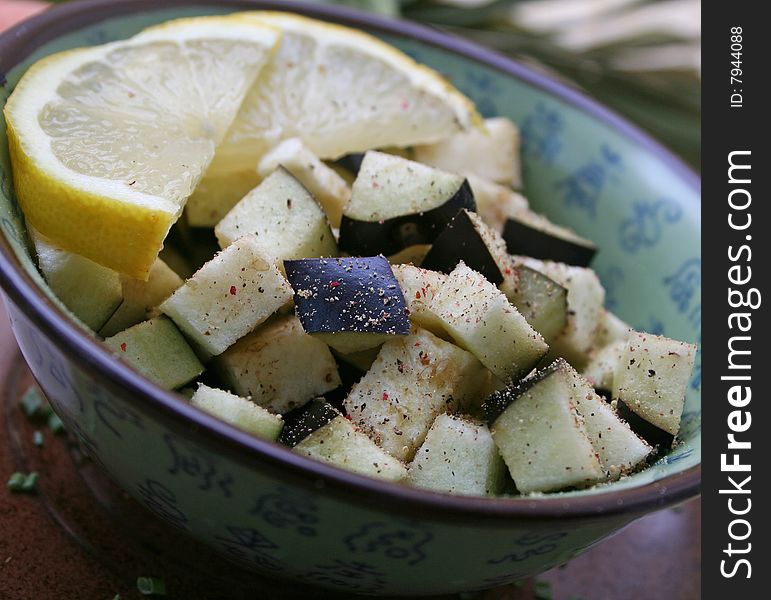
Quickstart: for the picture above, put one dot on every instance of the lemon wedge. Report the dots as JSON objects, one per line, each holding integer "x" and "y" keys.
{"x": 108, "y": 142}
{"x": 339, "y": 91}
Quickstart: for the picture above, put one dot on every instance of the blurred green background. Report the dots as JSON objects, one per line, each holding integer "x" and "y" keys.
{"x": 640, "y": 57}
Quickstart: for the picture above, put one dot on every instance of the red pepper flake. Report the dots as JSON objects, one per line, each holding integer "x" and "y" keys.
{"x": 334, "y": 284}
{"x": 424, "y": 357}
{"x": 232, "y": 290}
{"x": 385, "y": 396}
{"x": 417, "y": 295}
{"x": 507, "y": 271}
{"x": 349, "y": 418}
{"x": 123, "y": 346}
{"x": 424, "y": 291}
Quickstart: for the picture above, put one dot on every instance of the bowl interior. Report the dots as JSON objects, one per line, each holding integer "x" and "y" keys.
{"x": 582, "y": 167}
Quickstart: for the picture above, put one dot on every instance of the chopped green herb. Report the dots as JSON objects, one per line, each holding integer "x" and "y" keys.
{"x": 37, "y": 438}
{"x": 22, "y": 482}
{"x": 55, "y": 424}
{"x": 151, "y": 586}
{"x": 31, "y": 402}
{"x": 542, "y": 590}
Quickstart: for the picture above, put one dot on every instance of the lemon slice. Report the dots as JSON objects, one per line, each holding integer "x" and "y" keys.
{"x": 339, "y": 91}
{"x": 108, "y": 142}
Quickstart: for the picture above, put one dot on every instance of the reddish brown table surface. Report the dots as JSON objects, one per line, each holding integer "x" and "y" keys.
{"x": 61, "y": 543}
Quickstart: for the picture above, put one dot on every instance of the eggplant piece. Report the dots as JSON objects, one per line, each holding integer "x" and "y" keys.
{"x": 396, "y": 203}
{"x": 458, "y": 457}
{"x": 412, "y": 381}
{"x": 610, "y": 329}
{"x": 278, "y": 366}
{"x": 350, "y": 303}
{"x": 655, "y": 436}
{"x": 158, "y": 350}
{"x": 602, "y": 366}
{"x": 541, "y": 300}
{"x": 618, "y": 447}
{"x": 491, "y": 152}
{"x": 319, "y": 431}
{"x": 419, "y": 287}
{"x": 650, "y": 381}
{"x": 300, "y": 422}
{"x": 534, "y": 235}
{"x": 351, "y": 162}
{"x": 69, "y": 274}
{"x": 496, "y": 203}
{"x": 540, "y": 433}
{"x": 285, "y": 218}
{"x": 237, "y": 411}
{"x": 585, "y": 298}
{"x": 229, "y": 296}
{"x": 481, "y": 320}
{"x": 327, "y": 186}
{"x": 467, "y": 238}
{"x": 140, "y": 298}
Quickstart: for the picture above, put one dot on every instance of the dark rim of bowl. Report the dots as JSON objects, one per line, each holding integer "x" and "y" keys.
{"x": 20, "y": 41}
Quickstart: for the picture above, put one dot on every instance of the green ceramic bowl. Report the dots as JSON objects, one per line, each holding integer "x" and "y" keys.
{"x": 280, "y": 513}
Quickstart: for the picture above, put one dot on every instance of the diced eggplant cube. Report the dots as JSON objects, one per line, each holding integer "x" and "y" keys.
{"x": 304, "y": 420}
{"x": 619, "y": 449}
{"x": 467, "y": 238}
{"x": 413, "y": 380}
{"x": 89, "y": 290}
{"x": 610, "y": 329}
{"x": 140, "y": 298}
{"x": 350, "y": 303}
{"x": 228, "y": 297}
{"x": 602, "y": 365}
{"x": 654, "y": 435}
{"x": 331, "y": 190}
{"x": 159, "y": 351}
{"x": 361, "y": 360}
{"x": 419, "y": 287}
{"x": 216, "y": 194}
{"x": 284, "y": 218}
{"x": 534, "y": 235}
{"x": 480, "y": 319}
{"x": 496, "y": 203}
{"x": 586, "y": 297}
{"x": 279, "y": 366}
{"x": 340, "y": 444}
{"x": 238, "y": 411}
{"x": 651, "y": 379}
{"x": 396, "y": 203}
{"x": 458, "y": 457}
{"x": 412, "y": 254}
{"x": 541, "y": 435}
{"x": 492, "y": 152}
{"x": 540, "y": 299}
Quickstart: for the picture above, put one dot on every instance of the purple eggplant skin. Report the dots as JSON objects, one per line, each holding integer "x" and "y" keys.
{"x": 347, "y": 294}
{"x": 525, "y": 240}
{"x": 461, "y": 241}
{"x": 389, "y": 236}
{"x": 302, "y": 421}
{"x": 351, "y": 162}
{"x": 656, "y": 437}
{"x": 497, "y": 402}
